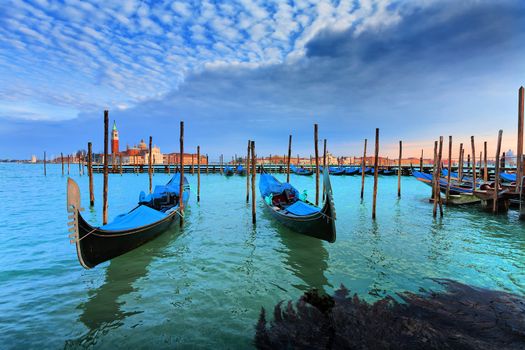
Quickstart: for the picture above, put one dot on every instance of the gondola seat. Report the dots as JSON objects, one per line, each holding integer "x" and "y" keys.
{"x": 302, "y": 208}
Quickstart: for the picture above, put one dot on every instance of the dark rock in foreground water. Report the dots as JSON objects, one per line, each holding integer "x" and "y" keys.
{"x": 460, "y": 317}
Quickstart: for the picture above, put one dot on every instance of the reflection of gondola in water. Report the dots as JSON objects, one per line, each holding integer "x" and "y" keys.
{"x": 103, "y": 311}
{"x": 305, "y": 257}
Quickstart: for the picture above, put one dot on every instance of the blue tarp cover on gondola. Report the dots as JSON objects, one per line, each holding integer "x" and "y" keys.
{"x": 508, "y": 177}
{"x": 302, "y": 208}
{"x": 140, "y": 216}
{"x": 270, "y": 185}
{"x": 240, "y": 169}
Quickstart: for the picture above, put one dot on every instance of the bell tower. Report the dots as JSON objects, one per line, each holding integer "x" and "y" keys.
{"x": 114, "y": 139}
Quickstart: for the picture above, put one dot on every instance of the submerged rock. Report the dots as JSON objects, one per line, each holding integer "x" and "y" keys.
{"x": 460, "y": 317}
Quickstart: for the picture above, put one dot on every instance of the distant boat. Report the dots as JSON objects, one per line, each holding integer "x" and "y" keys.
{"x": 387, "y": 172}
{"x": 240, "y": 170}
{"x": 455, "y": 188}
{"x": 284, "y": 203}
{"x": 301, "y": 171}
{"x": 229, "y": 171}
{"x": 153, "y": 215}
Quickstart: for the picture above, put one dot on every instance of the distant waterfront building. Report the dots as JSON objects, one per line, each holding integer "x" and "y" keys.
{"x": 33, "y": 159}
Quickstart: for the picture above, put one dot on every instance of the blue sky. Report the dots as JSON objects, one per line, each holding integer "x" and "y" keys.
{"x": 239, "y": 70}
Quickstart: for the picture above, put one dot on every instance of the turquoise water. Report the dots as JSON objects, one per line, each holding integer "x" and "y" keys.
{"x": 203, "y": 286}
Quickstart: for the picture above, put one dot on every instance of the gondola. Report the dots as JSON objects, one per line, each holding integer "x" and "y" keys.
{"x": 153, "y": 215}
{"x": 455, "y": 188}
{"x": 284, "y": 203}
{"x": 387, "y": 172}
{"x": 352, "y": 171}
{"x": 240, "y": 170}
{"x": 301, "y": 171}
{"x": 336, "y": 171}
{"x": 229, "y": 171}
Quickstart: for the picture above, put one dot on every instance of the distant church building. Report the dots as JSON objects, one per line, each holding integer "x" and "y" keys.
{"x": 114, "y": 139}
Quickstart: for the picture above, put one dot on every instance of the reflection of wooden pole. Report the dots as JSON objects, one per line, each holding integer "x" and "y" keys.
{"x": 449, "y": 168}
{"x": 149, "y": 165}
{"x": 289, "y": 157}
{"x": 473, "y": 163}
{"x": 62, "y": 161}
{"x": 181, "y": 179}
{"x": 105, "y": 189}
{"x": 399, "y": 170}
{"x": 363, "y": 168}
{"x": 519, "y": 155}
{"x": 198, "y": 173}
{"x": 316, "y": 166}
{"x": 252, "y": 150}
{"x": 496, "y": 180}
{"x": 90, "y": 175}
{"x": 376, "y": 159}
{"x": 45, "y": 170}
{"x": 248, "y": 172}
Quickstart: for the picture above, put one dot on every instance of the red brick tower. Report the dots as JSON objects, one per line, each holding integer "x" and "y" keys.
{"x": 114, "y": 139}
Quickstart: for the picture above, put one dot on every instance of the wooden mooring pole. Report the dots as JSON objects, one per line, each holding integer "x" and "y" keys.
{"x": 248, "y": 172}
{"x": 485, "y": 165}
{"x": 496, "y": 179}
{"x": 324, "y": 154}
{"x": 376, "y": 159}
{"x": 62, "y": 161}
{"x": 90, "y": 175}
{"x": 399, "y": 169}
{"x": 316, "y": 165}
{"x": 207, "y": 165}
{"x": 254, "y": 170}
{"x": 221, "y": 161}
{"x": 289, "y": 158}
{"x": 45, "y": 170}
{"x": 363, "y": 167}
{"x": 460, "y": 165}
{"x": 438, "y": 188}
{"x": 79, "y": 165}
{"x": 150, "y": 166}
{"x": 434, "y": 165}
{"x": 519, "y": 155}
{"x": 198, "y": 174}
{"x": 473, "y": 163}
{"x": 421, "y": 162}
{"x": 181, "y": 178}
{"x": 105, "y": 186}
{"x": 449, "y": 168}
{"x": 68, "y": 163}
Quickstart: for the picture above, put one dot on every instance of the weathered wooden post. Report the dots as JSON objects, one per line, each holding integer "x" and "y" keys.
{"x": 363, "y": 168}
{"x": 486, "y": 167}
{"x": 421, "y": 162}
{"x": 376, "y": 159}
{"x": 198, "y": 174}
{"x": 289, "y": 158}
{"x": 181, "y": 179}
{"x": 519, "y": 155}
{"x": 437, "y": 197}
{"x": 221, "y": 160}
{"x": 248, "y": 172}
{"x": 79, "y": 165}
{"x": 449, "y": 168}
{"x": 105, "y": 189}
{"x": 207, "y": 165}
{"x": 45, "y": 170}
{"x": 254, "y": 170}
{"x": 90, "y": 175}
{"x": 62, "y": 161}
{"x": 473, "y": 163}
{"x": 68, "y": 164}
{"x": 460, "y": 165}
{"x": 468, "y": 162}
{"x": 399, "y": 170}
{"x": 434, "y": 166}
{"x": 316, "y": 166}
{"x": 150, "y": 165}
{"x": 496, "y": 180}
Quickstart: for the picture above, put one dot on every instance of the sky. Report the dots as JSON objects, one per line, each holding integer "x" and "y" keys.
{"x": 259, "y": 70}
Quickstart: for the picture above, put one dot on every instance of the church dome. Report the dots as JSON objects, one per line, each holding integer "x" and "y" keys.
{"x": 142, "y": 145}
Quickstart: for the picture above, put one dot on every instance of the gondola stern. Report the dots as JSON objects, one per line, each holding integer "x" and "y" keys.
{"x": 329, "y": 206}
